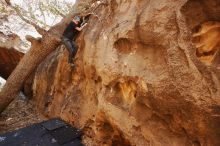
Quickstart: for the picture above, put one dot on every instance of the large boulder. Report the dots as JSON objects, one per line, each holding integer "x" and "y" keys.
{"x": 139, "y": 78}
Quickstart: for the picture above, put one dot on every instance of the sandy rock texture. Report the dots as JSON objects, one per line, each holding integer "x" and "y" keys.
{"x": 147, "y": 74}
{"x": 9, "y": 54}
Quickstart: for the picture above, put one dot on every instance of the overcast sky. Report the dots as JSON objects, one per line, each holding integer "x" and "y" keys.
{"x": 20, "y": 1}
{"x": 33, "y": 6}
{"x": 17, "y": 26}
{"x": 27, "y": 32}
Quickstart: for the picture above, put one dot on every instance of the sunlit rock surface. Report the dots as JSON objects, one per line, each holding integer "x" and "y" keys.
{"x": 141, "y": 78}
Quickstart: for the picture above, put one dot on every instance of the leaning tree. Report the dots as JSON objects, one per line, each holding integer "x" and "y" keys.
{"x": 40, "y": 48}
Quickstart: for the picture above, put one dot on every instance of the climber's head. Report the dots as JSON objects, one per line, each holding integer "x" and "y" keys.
{"x": 76, "y": 19}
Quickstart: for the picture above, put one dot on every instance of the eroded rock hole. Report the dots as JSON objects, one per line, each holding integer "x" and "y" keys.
{"x": 123, "y": 45}
{"x": 125, "y": 93}
{"x": 196, "y": 143}
{"x": 207, "y": 42}
{"x": 197, "y": 12}
{"x": 98, "y": 79}
{"x": 203, "y": 18}
{"x": 107, "y": 133}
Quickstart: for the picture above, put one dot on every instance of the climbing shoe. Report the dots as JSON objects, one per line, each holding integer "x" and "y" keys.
{"x": 72, "y": 65}
{"x": 74, "y": 60}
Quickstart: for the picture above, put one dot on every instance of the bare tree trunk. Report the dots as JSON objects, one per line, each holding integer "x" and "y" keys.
{"x": 40, "y": 48}
{"x": 38, "y": 51}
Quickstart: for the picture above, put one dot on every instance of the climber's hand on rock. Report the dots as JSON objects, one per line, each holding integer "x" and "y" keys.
{"x": 85, "y": 24}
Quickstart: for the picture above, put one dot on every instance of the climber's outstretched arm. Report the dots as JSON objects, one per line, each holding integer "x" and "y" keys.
{"x": 80, "y": 28}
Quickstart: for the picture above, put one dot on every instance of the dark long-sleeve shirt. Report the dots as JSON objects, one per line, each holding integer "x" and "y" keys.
{"x": 71, "y": 32}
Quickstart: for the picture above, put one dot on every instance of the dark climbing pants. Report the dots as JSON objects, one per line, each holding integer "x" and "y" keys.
{"x": 71, "y": 47}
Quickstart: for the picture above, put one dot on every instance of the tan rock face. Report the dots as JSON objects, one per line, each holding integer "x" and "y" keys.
{"x": 139, "y": 79}
{"x": 9, "y": 56}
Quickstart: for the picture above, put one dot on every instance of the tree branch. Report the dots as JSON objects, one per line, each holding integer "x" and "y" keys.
{"x": 93, "y": 8}
{"x": 59, "y": 13}
{"x": 38, "y": 28}
{"x": 8, "y": 2}
{"x": 32, "y": 39}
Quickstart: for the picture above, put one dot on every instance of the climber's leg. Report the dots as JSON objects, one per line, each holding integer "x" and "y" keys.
{"x": 69, "y": 45}
{"x": 75, "y": 49}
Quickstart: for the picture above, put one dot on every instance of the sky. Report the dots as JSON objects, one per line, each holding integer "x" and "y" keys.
{"x": 20, "y": 1}
{"x": 2, "y": 82}
{"x": 15, "y": 23}
{"x": 33, "y": 5}
{"x": 20, "y": 28}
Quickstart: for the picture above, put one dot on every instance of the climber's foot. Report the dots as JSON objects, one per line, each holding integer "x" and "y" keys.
{"x": 72, "y": 65}
{"x": 74, "y": 60}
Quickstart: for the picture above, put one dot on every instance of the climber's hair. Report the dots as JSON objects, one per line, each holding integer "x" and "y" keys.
{"x": 77, "y": 18}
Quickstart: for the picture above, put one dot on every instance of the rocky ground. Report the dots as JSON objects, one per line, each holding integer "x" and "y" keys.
{"x": 19, "y": 114}
{"x": 22, "y": 113}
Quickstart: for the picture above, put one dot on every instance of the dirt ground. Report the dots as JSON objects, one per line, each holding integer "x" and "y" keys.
{"x": 20, "y": 113}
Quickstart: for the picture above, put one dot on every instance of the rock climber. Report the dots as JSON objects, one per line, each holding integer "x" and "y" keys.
{"x": 70, "y": 35}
